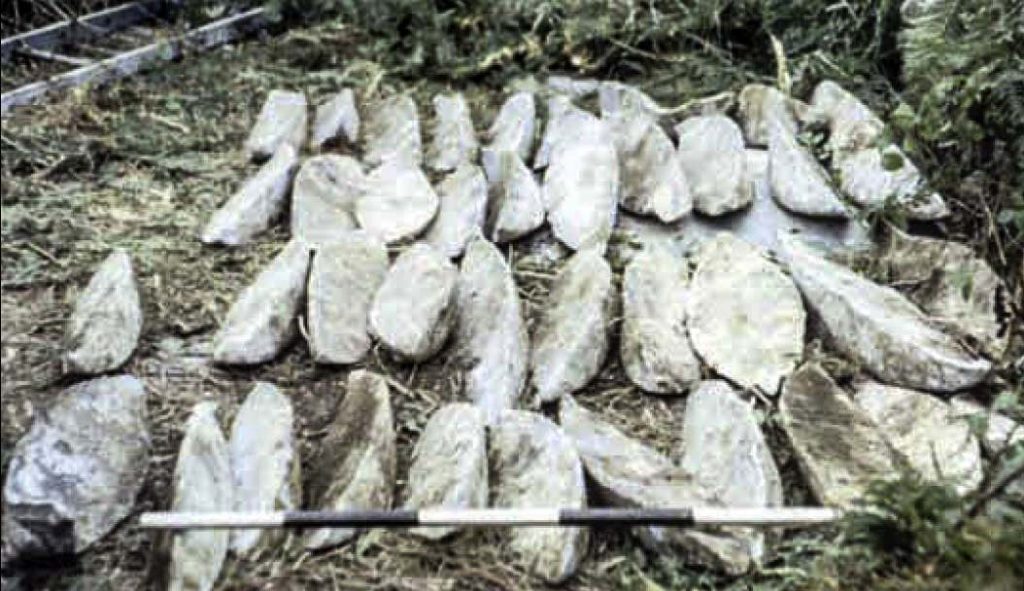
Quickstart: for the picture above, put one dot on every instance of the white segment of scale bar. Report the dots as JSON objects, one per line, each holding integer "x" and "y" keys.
{"x": 483, "y": 517}
{"x": 764, "y": 516}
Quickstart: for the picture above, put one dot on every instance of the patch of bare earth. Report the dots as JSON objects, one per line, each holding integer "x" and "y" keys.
{"x": 141, "y": 165}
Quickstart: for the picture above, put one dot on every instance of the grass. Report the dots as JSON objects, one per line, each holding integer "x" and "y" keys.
{"x": 17, "y": 16}
{"x": 141, "y": 164}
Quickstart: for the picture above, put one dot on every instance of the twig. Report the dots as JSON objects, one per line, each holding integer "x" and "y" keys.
{"x": 301, "y": 322}
{"x": 45, "y": 254}
{"x": 50, "y": 167}
{"x": 534, "y": 274}
{"x": 723, "y": 101}
{"x": 785, "y": 81}
{"x": 12, "y": 143}
{"x": 170, "y": 123}
{"x": 50, "y": 56}
{"x": 467, "y": 573}
{"x": 994, "y": 231}
{"x": 993, "y": 492}
{"x": 411, "y": 392}
{"x": 647, "y": 54}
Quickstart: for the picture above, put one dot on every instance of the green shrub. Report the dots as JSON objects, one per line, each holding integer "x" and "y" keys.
{"x": 964, "y": 75}
{"x": 21, "y": 15}
{"x": 950, "y": 80}
{"x": 924, "y": 532}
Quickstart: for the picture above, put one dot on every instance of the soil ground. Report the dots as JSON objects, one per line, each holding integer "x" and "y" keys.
{"x": 141, "y": 165}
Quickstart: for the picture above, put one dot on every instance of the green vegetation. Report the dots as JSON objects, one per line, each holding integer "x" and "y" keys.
{"x": 21, "y": 15}
{"x": 948, "y": 76}
{"x": 962, "y": 113}
{"x": 922, "y": 535}
{"x": 950, "y": 81}
{"x": 911, "y": 536}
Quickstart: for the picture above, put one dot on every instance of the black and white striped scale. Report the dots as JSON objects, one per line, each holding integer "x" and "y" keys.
{"x": 680, "y": 517}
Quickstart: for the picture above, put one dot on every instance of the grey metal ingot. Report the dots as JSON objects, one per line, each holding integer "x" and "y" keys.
{"x": 256, "y": 205}
{"x": 282, "y": 121}
{"x": 491, "y": 343}
{"x": 454, "y": 143}
{"x": 355, "y": 468}
{"x": 449, "y": 465}
{"x": 392, "y": 130}
{"x": 840, "y": 449}
{"x": 76, "y": 472}
{"x": 414, "y": 309}
{"x": 746, "y": 318}
{"x": 105, "y": 325}
{"x": 343, "y": 281}
{"x": 337, "y": 119}
{"x": 879, "y": 328}
{"x": 535, "y": 465}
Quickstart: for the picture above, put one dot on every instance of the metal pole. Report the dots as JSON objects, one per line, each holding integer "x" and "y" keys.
{"x": 681, "y": 517}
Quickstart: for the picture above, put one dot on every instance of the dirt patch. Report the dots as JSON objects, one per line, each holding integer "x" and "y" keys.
{"x": 141, "y": 165}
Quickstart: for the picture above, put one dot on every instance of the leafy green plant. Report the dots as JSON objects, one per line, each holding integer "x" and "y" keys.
{"x": 929, "y": 536}
{"x": 21, "y": 15}
{"x": 890, "y": 212}
{"x": 948, "y": 76}
{"x": 927, "y": 528}
{"x": 964, "y": 72}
